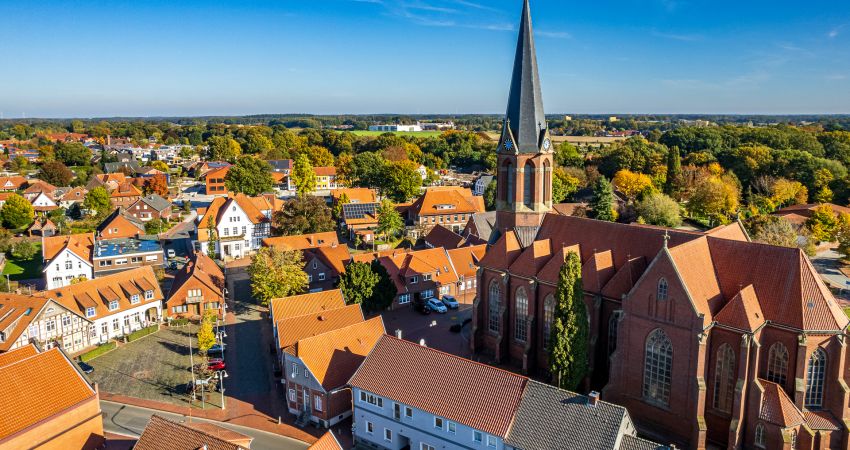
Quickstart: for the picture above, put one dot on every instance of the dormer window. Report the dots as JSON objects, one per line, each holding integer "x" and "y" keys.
{"x": 90, "y": 311}
{"x": 414, "y": 280}
{"x": 113, "y": 305}
{"x": 148, "y": 295}
{"x": 427, "y": 277}
{"x": 134, "y": 299}
{"x": 662, "y": 290}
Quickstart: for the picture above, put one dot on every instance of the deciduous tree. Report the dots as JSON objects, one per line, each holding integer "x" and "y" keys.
{"x": 303, "y": 215}
{"x": 632, "y": 184}
{"x": 390, "y": 222}
{"x": 659, "y": 209}
{"x": 223, "y": 148}
{"x": 715, "y": 198}
{"x": 277, "y": 273}
{"x": 56, "y": 173}
{"x": 97, "y": 200}
{"x": 155, "y": 185}
{"x": 303, "y": 176}
{"x": 401, "y": 181}
{"x": 250, "y": 176}
{"x": 17, "y": 212}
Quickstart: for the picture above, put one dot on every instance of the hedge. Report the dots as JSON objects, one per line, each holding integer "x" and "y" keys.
{"x": 138, "y": 334}
{"x": 178, "y": 322}
{"x": 101, "y": 349}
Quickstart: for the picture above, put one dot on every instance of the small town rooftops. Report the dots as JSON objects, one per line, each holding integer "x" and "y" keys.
{"x": 496, "y": 393}
{"x": 164, "y": 434}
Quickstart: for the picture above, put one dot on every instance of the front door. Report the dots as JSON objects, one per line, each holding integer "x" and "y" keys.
{"x": 306, "y": 401}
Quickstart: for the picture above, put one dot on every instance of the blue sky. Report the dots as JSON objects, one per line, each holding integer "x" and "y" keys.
{"x": 199, "y": 57}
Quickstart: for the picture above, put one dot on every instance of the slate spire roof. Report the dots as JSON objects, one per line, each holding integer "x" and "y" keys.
{"x": 525, "y": 114}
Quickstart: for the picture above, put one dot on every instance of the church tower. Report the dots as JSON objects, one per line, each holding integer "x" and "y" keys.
{"x": 525, "y": 160}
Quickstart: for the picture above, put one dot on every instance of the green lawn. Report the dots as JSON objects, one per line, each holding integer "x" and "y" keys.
{"x": 847, "y": 311}
{"x": 26, "y": 269}
{"x": 400, "y": 133}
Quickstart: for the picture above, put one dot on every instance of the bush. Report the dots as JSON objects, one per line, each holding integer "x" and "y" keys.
{"x": 138, "y": 334}
{"x": 101, "y": 349}
{"x": 178, "y": 322}
{"x": 24, "y": 250}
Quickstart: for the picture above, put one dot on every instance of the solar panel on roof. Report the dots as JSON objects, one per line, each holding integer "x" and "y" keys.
{"x": 359, "y": 210}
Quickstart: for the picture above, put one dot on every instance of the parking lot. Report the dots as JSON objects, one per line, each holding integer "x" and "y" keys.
{"x": 434, "y": 328}
{"x": 155, "y": 367}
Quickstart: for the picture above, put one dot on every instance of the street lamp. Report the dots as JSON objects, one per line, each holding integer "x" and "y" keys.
{"x": 221, "y": 375}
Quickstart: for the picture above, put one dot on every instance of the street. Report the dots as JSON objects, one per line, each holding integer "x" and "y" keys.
{"x": 828, "y": 263}
{"x": 131, "y": 421}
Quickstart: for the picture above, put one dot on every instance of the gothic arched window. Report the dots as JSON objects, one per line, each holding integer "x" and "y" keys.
{"x": 528, "y": 180}
{"x": 662, "y": 290}
{"x": 547, "y": 182}
{"x": 521, "y": 315}
{"x": 548, "y": 318}
{"x": 760, "y": 439}
{"x": 777, "y": 364}
{"x": 724, "y": 378}
{"x": 613, "y": 329}
{"x": 815, "y": 376}
{"x": 494, "y": 300}
{"x": 658, "y": 368}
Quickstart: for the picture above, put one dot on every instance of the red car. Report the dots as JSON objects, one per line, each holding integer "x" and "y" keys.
{"x": 216, "y": 364}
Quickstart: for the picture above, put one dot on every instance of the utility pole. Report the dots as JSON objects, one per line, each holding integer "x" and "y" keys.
{"x": 192, "y": 367}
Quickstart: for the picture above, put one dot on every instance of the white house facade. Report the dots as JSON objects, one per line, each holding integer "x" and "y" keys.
{"x": 65, "y": 267}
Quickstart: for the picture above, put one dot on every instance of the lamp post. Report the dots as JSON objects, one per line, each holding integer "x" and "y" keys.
{"x": 221, "y": 374}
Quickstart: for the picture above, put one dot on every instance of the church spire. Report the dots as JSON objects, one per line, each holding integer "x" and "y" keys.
{"x": 525, "y": 115}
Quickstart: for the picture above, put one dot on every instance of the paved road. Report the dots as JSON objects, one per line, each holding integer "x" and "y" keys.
{"x": 827, "y": 264}
{"x": 131, "y": 421}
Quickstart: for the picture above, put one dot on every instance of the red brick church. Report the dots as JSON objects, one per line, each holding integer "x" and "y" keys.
{"x": 707, "y": 338}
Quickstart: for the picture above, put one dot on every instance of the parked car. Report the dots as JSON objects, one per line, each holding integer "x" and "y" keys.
{"x": 85, "y": 367}
{"x": 436, "y": 306}
{"x": 216, "y": 364}
{"x": 450, "y": 302}
{"x": 217, "y": 349}
{"x": 421, "y": 307}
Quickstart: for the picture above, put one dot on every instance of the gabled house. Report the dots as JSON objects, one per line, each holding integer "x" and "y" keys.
{"x": 198, "y": 288}
{"x": 73, "y": 196}
{"x": 12, "y": 183}
{"x": 238, "y": 227}
{"x": 354, "y": 195}
{"x": 67, "y": 258}
{"x": 120, "y": 225}
{"x": 435, "y": 400}
{"x": 124, "y": 195}
{"x": 324, "y": 257}
{"x": 151, "y": 207}
{"x": 318, "y": 368}
{"x": 116, "y": 304}
{"x": 163, "y": 434}
{"x": 47, "y": 403}
{"x": 421, "y": 275}
{"x": 45, "y": 229}
{"x": 26, "y": 319}
{"x": 43, "y": 203}
{"x": 450, "y": 206}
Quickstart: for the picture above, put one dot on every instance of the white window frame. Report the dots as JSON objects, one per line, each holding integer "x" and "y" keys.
{"x": 477, "y": 437}
{"x": 441, "y": 421}
{"x": 388, "y": 435}
{"x": 318, "y": 402}
{"x": 292, "y": 395}
{"x": 492, "y": 442}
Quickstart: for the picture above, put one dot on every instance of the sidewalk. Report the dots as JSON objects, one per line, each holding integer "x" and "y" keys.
{"x": 238, "y": 413}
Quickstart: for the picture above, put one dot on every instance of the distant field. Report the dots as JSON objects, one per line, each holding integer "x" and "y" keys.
{"x": 575, "y": 139}
{"x": 400, "y": 133}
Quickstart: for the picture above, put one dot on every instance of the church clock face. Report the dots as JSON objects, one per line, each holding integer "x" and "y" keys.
{"x": 509, "y": 145}
{"x": 547, "y": 144}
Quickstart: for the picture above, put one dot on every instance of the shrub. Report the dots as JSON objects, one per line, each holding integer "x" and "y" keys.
{"x": 138, "y": 334}
{"x": 178, "y": 322}
{"x": 99, "y": 350}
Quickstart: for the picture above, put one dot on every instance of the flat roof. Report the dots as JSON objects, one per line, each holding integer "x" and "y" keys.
{"x": 128, "y": 246}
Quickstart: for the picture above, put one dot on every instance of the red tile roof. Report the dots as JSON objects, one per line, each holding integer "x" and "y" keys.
{"x": 822, "y": 420}
{"x": 332, "y": 357}
{"x": 461, "y": 200}
{"x": 328, "y": 441}
{"x": 293, "y": 329}
{"x": 81, "y": 245}
{"x": 777, "y": 408}
{"x": 37, "y": 388}
{"x": 303, "y": 241}
{"x": 163, "y": 434}
{"x": 743, "y": 311}
{"x": 442, "y": 384}
{"x": 299, "y": 305}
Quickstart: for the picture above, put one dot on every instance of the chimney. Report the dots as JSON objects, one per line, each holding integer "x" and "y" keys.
{"x": 593, "y": 398}
{"x": 422, "y": 342}
{"x": 398, "y": 333}
{"x": 321, "y": 318}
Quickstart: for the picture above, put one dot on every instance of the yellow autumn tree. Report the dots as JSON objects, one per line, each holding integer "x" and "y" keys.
{"x": 632, "y": 184}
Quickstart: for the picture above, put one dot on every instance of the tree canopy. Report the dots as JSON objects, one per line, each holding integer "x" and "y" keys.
{"x": 17, "y": 212}
{"x": 568, "y": 352}
{"x": 303, "y": 215}
{"x": 250, "y": 176}
{"x": 277, "y": 273}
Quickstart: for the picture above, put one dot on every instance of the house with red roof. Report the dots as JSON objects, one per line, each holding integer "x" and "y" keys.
{"x": 235, "y": 224}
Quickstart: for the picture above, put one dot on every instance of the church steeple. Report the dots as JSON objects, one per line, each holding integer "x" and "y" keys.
{"x": 525, "y": 116}
{"x": 524, "y": 174}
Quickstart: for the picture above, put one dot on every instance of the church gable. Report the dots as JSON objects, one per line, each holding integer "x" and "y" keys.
{"x": 661, "y": 294}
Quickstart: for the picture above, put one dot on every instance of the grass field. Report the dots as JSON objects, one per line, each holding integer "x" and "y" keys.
{"x": 23, "y": 269}
{"x": 400, "y": 133}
